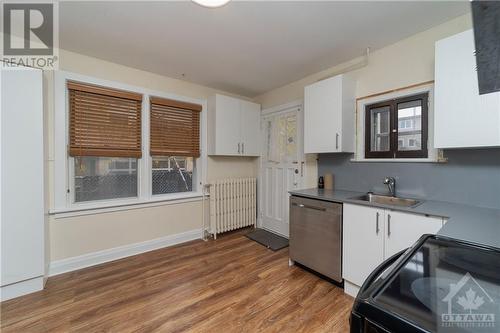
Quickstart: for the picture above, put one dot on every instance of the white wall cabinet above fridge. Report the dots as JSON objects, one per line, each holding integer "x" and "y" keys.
{"x": 329, "y": 109}
{"x": 462, "y": 117}
{"x": 233, "y": 127}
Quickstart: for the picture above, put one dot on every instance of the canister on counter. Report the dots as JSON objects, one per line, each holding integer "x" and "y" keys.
{"x": 328, "y": 179}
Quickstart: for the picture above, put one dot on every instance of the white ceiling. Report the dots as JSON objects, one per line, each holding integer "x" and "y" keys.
{"x": 245, "y": 48}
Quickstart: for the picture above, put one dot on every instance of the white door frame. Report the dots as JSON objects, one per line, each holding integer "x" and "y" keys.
{"x": 302, "y": 158}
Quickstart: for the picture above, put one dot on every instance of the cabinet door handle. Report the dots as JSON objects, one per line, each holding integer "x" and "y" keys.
{"x": 242, "y": 147}
{"x": 337, "y": 141}
{"x": 309, "y": 207}
{"x": 377, "y": 229}
{"x": 388, "y": 224}
{"x": 238, "y": 147}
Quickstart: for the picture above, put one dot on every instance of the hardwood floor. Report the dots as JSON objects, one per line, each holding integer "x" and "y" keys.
{"x": 228, "y": 285}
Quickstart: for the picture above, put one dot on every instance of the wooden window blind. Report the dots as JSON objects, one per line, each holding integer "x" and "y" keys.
{"x": 103, "y": 121}
{"x": 175, "y": 128}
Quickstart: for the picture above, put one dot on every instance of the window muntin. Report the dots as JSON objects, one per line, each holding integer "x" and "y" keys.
{"x": 397, "y": 128}
{"x": 172, "y": 174}
{"x": 102, "y": 178}
{"x": 380, "y": 128}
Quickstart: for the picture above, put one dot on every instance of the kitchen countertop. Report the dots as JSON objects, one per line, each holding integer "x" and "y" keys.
{"x": 469, "y": 223}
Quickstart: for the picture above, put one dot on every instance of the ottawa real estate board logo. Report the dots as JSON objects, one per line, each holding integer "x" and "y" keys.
{"x": 469, "y": 306}
{"x": 30, "y": 35}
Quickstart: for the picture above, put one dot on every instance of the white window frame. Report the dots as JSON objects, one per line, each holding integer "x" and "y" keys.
{"x": 433, "y": 155}
{"x": 63, "y": 171}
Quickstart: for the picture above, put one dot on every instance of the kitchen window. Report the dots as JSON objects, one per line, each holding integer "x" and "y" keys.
{"x": 104, "y": 141}
{"x": 174, "y": 144}
{"x": 101, "y": 178}
{"x": 397, "y": 128}
{"x": 110, "y": 153}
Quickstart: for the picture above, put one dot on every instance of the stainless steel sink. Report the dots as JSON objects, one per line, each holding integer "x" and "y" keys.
{"x": 387, "y": 200}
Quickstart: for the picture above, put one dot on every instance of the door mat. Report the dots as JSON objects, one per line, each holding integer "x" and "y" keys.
{"x": 268, "y": 239}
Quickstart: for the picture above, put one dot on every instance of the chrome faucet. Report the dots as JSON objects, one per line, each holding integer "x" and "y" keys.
{"x": 391, "y": 184}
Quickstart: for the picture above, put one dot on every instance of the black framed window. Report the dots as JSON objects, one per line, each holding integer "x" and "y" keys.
{"x": 397, "y": 128}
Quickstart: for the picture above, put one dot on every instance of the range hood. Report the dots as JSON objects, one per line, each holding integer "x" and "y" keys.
{"x": 486, "y": 22}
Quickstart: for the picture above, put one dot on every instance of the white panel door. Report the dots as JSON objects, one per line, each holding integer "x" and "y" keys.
{"x": 363, "y": 241}
{"x": 281, "y": 167}
{"x": 250, "y": 128}
{"x": 402, "y": 230}
{"x": 22, "y": 192}
{"x": 227, "y": 133}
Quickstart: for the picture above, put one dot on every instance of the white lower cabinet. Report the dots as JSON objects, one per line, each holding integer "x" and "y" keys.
{"x": 360, "y": 233}
{"x": 371, "y": 235}
{"x": 403, "y": 229}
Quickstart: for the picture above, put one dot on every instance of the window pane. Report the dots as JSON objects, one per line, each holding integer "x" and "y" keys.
{"x": 99, "y": 178}
{"x": 380, "y": 128}
{"x": 410, "y": 125}
{"x": 281, "y": 138}
{"x": 172, "y": 174}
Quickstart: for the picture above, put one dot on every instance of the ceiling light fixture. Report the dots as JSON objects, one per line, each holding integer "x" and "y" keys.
{"x": 211, "y": 3}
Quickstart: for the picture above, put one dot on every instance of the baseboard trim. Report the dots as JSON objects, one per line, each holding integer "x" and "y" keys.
{"x": 351, "y": 289}
{"x": 95, "y": 258}
{"x": 21, "y": 288}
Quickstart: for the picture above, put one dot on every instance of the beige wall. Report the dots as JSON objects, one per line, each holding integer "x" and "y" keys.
{"x": 404, "y": 63}
{"x": 78, "y": 235}
{"x": 401, "y": 64}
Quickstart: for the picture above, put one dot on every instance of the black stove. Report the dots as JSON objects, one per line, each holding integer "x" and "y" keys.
{"x": 439, "y": 285}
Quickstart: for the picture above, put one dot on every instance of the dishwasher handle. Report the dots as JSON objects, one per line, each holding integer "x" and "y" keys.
{"x": 309, "y": 207}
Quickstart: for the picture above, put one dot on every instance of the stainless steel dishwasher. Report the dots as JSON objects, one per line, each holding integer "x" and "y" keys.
{"x": 316, "y": 235}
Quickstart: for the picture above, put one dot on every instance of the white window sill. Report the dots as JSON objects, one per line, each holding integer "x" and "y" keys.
{"x": 398, "y": 160}
{"x": 113, "y": 206}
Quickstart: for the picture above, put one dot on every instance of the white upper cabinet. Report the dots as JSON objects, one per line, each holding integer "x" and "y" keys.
{"x": 233, "y": 127}
{"x": 329, "y": 108}
{"x": 250, "y": 125}
{"x": 462, "y": 117}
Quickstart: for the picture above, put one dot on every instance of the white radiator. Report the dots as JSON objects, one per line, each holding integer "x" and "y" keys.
{"x": 233, "y": 204}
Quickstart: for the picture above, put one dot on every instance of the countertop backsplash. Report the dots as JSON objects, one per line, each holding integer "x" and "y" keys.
{"x": 469, "y": 177}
